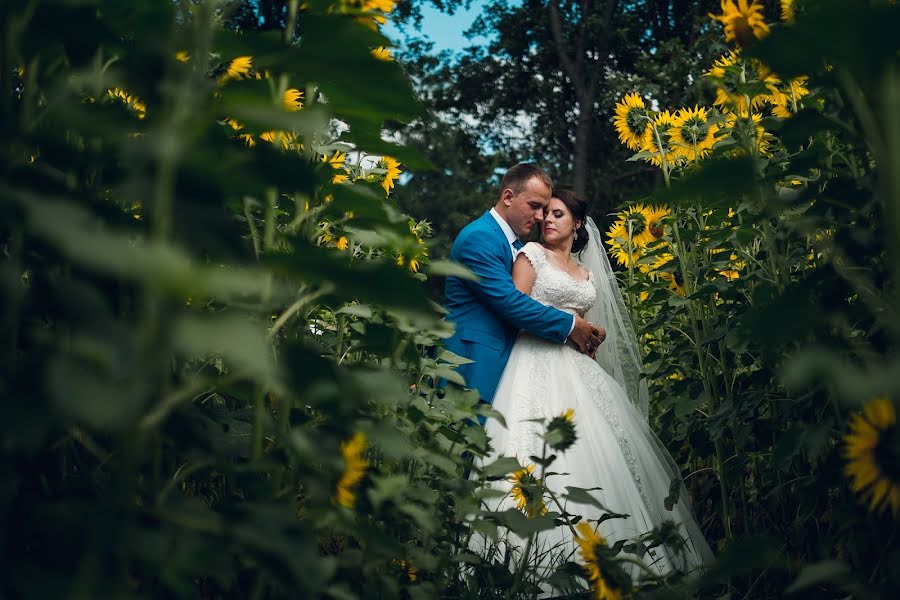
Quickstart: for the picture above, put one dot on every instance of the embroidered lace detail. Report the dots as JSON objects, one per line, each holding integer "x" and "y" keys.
{"x": 598, "y": 382}
{"x": 554, "y": 287}
{"x": 526, "y": 435}
{"x": 557, "y": 288}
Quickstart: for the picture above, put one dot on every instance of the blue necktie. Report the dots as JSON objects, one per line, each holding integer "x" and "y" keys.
{"x": 517, "y": 245}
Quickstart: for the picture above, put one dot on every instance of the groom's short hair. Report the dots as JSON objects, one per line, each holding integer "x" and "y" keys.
{"x": 518, "y": 175}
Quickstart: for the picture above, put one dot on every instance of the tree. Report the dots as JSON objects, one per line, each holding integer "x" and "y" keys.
{"x": 544, "y": 88}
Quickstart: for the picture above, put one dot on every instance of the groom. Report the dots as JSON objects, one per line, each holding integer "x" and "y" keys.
{"x": 489, "y": 312}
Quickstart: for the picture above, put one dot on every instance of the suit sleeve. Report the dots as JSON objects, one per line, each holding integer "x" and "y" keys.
{"x": 495, "y": 289}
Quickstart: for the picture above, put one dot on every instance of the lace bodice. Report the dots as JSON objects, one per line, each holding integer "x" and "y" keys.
{"x": 554, "y": 287}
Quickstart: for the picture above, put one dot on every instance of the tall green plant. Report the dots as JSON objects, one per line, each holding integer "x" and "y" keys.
{"x": 767, "y": 288}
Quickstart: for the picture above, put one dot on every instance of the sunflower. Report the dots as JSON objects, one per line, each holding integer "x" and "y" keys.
{"x": 727, "y": 73}
{"x": 656, "y": 140}
{"x": 384, "y": 6}
{"x": 393, "y": 173}
{"x": 371, "y": 10}
{"x": 283, "y": 137}
{"x": 414, "y": 255}
{"x": 524, "y": 492}
{"x": 608, "y": 580}
{"x": 238, "y": 68}
{"x": 642, "y": 223}
{"x": 784, "y": 98}
{"x": 631, "y": 121}
{"x": 561, "y": 431}
{"x": 354, "y": 469}
{"x": 336, "y": 160}
{"x": 742, "y": 124}
{"x": 676, "y": 284}
{"x": 617, "y": 240}
{"x": 744, "y": 21}
{"x": 653, "y": 218}
{"x": 382, "y": 53}
{"x": 247, "y": 139}
{"x": 655, "y": 266}
{"x": 421, "y": 253}
{"x": 407, "y": 568}
{"x": 342, "y": 243}
{"x": 693, "y": 134}
{"x": 872, "y": 451}
{"x": 182, "y": 56}
{"x": 734, "y": 268}
{"x": 787, "y": 11}
{"x": 132, "y": 102}
{"x": 292, "y": 100}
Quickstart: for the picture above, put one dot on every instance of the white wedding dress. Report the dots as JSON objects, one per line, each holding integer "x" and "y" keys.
{"x": 615, "y": 448}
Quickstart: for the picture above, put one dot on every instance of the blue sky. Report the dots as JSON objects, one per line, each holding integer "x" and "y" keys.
{"x": 446, "y": 31}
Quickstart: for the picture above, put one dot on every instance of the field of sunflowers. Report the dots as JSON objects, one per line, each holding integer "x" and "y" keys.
{"x": 220, "y": 356}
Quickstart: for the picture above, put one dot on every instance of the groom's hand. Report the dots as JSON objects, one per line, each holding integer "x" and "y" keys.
{"x": 586, "y": 337}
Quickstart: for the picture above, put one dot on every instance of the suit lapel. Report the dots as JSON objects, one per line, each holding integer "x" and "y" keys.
{"x": 500, "y": 237}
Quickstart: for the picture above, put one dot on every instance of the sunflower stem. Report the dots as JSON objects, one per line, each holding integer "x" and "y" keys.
{"x": 664, "y": 164}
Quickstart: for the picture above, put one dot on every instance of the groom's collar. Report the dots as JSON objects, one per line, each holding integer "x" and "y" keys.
{"x": 504, "y": 226}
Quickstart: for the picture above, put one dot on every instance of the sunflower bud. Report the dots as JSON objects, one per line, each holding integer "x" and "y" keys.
{"x": 561, "y": 431}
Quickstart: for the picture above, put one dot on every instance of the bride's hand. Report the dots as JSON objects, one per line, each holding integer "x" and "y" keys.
{"x": 602, "y": 335}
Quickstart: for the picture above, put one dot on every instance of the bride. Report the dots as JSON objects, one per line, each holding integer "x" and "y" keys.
{"x": 604, "y": 396}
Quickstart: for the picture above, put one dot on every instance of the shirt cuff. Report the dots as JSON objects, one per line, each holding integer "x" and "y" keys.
{"x": 571, "y": 329}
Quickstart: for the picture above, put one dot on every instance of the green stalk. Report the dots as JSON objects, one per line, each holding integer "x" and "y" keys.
{"x": 269, "y": 237}
{"x": 259, "y": 402}
{"x": 630, "y": 246}
{"x": 793, "y": 97}
{"x": 520, "y": 571}
{"x": 889, "y": 170}
{"x": 708, "y": 388}
{"x": 291, "y": 22}
{"x": 254, "y": 234}
{"x": 664, "y": 163}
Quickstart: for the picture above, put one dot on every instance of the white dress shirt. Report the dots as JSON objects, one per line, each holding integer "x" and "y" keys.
{"x": 511, "y": 236}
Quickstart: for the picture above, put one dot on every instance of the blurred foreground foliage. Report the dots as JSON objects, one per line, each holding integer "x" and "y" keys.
{"x": 206, "y": 295}
{"x": 218, "y": 354}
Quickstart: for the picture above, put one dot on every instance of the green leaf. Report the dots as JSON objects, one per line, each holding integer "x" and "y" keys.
{"x": 522, "y": 525}
{"x": 454, "y": 359}
{"x": 502, "y": 466}
{"x": 258, "y": 116}
{"x": 860, "y": 38}
{"x": 86, "y": 240}
{"x": 357, "y": 310}
{"x": 435, "y": 459}
{"x": 582, "y": 496}
{"x": 446, "y": 268}
{"x": 715, "y": 185}
{"x": 828, "y": 571}
{"x": 240, "y": 341}
{"x": 444, "y": 372}
{"x": 743, "y": 557}
{"x": 379, "y": 283}
{"x": 83, "y": 394}
{"x": 387, "y": 487}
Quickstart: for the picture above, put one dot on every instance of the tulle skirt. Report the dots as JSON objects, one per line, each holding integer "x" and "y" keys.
{"x": 615, "y": 450}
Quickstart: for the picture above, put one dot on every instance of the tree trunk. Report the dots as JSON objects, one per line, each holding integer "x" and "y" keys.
{"x": 582, "y": 136}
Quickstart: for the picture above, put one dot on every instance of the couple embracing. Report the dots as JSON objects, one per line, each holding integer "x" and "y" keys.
{"x": 548, "y": 333}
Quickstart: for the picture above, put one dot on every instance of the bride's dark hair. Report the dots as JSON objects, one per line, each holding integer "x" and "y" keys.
{"x": 578, "y": 206}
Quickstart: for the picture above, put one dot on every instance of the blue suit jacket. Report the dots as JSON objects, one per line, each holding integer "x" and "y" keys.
{"x": 489, "y": 312}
